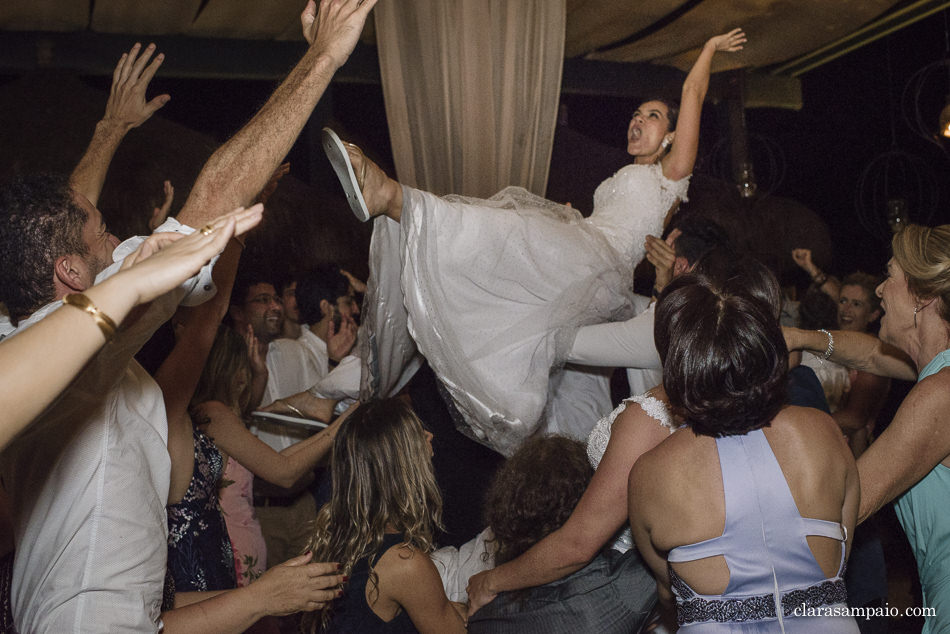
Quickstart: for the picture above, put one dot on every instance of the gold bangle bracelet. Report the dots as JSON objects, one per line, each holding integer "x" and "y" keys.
{"x": 83, "y": 303}
{"x": 293, "y": 409}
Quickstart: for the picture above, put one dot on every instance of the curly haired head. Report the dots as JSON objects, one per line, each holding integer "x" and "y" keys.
{"x": 534, "y": 493}
{"x": 924, "y": 255}
{"x": 724, "y": 357}
{"x": 40, "y": 221}
{"x": 383, "y": 478}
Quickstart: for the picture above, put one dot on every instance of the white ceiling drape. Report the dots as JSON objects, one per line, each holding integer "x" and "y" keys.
{"x": 471, "y": 90}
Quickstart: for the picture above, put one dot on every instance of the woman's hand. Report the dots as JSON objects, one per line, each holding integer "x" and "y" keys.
{"x": 479, "y": 592}
{"x": 159, "y": 214}
{"x": 340, "y": 343}
{"x": 256, "y": 352}
{"x": 298, "y": 586}
{"x": 165, "y": 260}
{"x": 729, "y": 42}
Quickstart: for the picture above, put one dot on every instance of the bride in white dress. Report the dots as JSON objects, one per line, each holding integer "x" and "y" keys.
{"x": 496, "y": 289}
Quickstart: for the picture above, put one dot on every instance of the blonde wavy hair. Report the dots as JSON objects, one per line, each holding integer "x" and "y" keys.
{"x": 924, "y": 255}
{"x": 382, "y": 479}
{"x": 227, "y": 361}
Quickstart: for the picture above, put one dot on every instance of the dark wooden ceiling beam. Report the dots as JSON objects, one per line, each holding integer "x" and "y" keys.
{"x": 88, "y": 53}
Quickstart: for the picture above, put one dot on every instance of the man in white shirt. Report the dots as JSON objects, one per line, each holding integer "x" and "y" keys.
{"x": 89, "y": 478}
{"x": 629, "y": 344}
{"x": 285, "y": 514}
{"x": 326, "y": 301}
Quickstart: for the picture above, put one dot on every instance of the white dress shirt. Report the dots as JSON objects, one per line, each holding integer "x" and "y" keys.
{"x": 290, "y": 370}
{"x": 339, "y": 383}
{"x": 89, "y": 482}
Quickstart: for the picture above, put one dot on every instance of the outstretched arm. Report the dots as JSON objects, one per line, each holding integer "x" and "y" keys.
{"x": 856, "y": 350}
{"x": 58, "y": 346}
{"x": 125, "y": 109}
{"x": 294, "y": 586}
{"x": 241, "y": 167}
{"x": 678, "y": 164}
{"x": 179, "y": 374}
{"x": 284, "y": 468}
{"x": 600, "y": 513}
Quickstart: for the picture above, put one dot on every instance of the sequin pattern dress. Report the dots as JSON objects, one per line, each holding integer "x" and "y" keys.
{"x": 199, "y": 550}
{"x": 495, "y": 290}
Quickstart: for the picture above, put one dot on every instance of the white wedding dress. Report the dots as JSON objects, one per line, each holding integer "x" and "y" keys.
{"x": 496, "y": 289}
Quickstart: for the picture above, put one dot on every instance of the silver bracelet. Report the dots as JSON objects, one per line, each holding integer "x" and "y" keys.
{"x": 831, "y": 346}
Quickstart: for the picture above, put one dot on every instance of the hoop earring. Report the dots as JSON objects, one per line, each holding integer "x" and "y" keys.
{"x": 916, "y": 308}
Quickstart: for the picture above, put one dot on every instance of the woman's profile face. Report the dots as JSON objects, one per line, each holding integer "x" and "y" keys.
{"x": 648, "y": 126}
{"x": 854, "y": 309}
{"x": 897, "y": 302}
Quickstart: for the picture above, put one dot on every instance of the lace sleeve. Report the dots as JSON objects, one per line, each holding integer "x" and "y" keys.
{"x": 655, "y": 408}
{"x": 600, "y": 435}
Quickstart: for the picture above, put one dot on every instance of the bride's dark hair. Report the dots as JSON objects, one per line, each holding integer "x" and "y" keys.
{"x": 672, "y": 110}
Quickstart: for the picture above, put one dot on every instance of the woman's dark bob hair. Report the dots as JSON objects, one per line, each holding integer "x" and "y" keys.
{"x": 725, "y": 362}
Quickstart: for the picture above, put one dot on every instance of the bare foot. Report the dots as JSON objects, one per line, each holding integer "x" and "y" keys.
{"x": 382, "y": 194}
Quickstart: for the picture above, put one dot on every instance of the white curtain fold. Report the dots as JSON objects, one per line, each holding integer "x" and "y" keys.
{"x": 471, "y": 90}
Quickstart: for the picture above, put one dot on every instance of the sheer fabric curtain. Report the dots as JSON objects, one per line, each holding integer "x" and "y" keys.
{"x": 471, "y": 90}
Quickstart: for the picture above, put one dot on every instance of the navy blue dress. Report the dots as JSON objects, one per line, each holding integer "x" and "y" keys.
{"x": 351, "y": 614}
{"x": 199, "y": 549}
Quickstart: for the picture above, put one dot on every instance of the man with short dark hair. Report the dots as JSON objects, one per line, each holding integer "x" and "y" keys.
{"x": 326, "y": 302}
{"x": 629, "y": 344}
{"x": 255, "y": 304}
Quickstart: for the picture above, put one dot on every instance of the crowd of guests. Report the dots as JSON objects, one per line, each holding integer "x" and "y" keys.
{"x": 244, "y": 484}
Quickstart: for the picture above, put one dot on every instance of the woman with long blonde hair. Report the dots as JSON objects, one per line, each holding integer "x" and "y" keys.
{"x": 379, "y": 523}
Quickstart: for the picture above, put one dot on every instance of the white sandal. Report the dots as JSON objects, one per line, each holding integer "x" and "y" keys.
{"x": 335, "y": 150}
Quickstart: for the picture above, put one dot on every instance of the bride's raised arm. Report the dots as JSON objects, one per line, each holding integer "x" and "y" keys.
{"x": 678, "y": 164}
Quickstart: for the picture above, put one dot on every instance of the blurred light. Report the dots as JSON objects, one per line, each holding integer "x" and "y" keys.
{"x": 945, "y": 120}
{"x": 747, "y": 185}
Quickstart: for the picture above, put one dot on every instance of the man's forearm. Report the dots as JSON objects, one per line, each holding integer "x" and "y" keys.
{"x": 90, "y": 174}
{"x": 240, "y": 168}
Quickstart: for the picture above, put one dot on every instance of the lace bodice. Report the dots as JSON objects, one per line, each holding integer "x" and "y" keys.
{"x": 633, "y": 203}
{"x": 600, "y": 434}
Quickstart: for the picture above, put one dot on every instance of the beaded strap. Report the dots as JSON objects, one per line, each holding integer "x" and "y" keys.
{"x": 694, "y": 609}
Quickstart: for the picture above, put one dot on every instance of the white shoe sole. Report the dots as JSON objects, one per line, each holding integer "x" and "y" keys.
{"x": 340, "y": 161}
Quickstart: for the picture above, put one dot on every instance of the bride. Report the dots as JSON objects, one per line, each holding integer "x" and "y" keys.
{"x": 496, "y": 289}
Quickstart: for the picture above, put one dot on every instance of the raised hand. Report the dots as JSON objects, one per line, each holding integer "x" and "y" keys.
{"x": 271, "y": 185}
{"x": 335, "y": 27}
{"x": 802, "y": 258}
{"x": 340, "y": 343}
{"x": 661, "y": 255}
{"x": 256, "y": 352}
{"x": 127, "y": 106}
{"x": 159, "y": 214}
{"x": 357, "y": 285}
{"x": 165, "y": 260}
{"x": 729, "y": 42}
